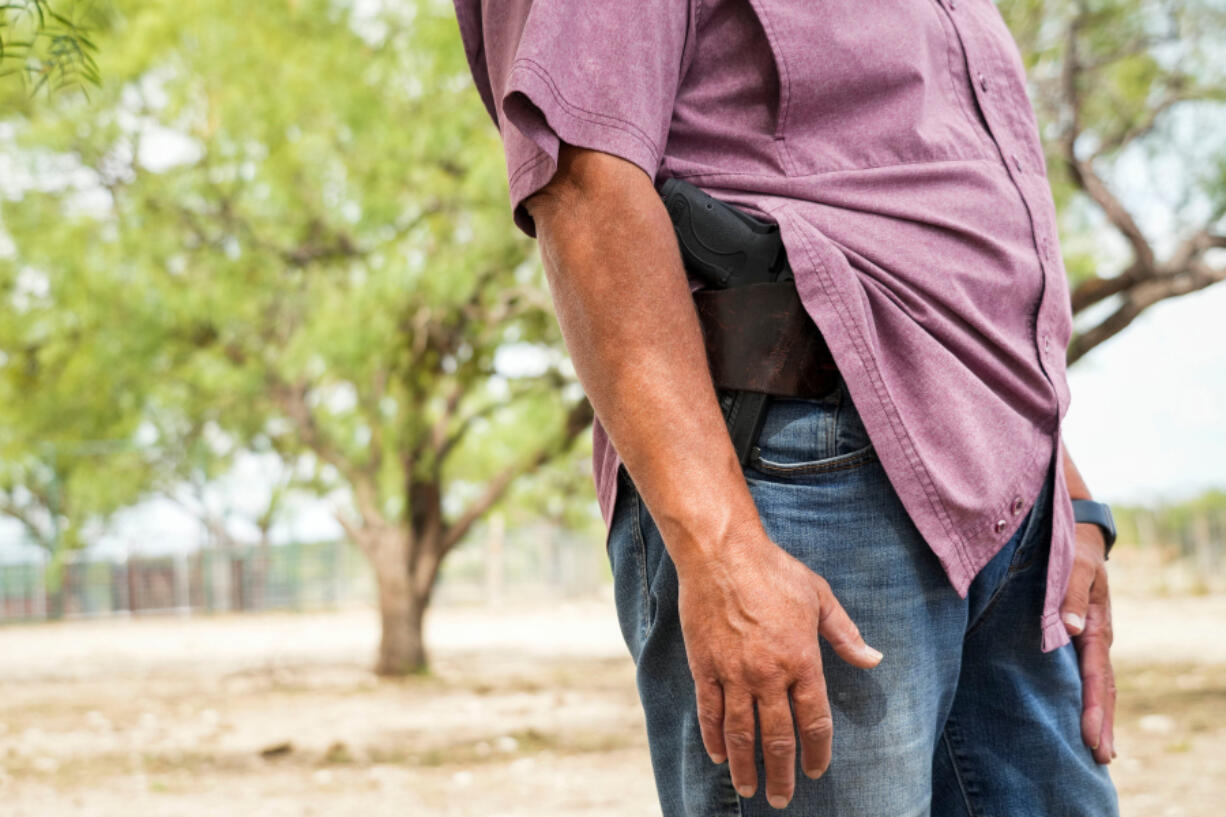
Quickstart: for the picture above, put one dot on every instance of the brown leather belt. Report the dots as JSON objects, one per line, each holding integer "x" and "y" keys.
{"x": 760, "y": 338}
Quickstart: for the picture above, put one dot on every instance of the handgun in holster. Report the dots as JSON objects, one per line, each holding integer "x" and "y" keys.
{"x": 728, "y": 249}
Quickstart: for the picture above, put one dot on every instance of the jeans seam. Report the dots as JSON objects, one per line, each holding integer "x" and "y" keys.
{"x": 832, "y": 428}
{"x": 641, "y": 545}
{"x": 958, "y": 775}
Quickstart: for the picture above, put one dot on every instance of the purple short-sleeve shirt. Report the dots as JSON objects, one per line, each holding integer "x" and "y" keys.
{"x": 895, "y": 145}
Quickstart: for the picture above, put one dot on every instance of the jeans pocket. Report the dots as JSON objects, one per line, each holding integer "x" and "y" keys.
{"x": 808, "y": 437}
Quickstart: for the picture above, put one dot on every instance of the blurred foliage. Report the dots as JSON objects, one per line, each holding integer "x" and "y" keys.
{"x": 1151, "y": 79}
{"x": 280, "y": 227}
{"x": 45, "y": 46}
{"x": 1172, "y": 521}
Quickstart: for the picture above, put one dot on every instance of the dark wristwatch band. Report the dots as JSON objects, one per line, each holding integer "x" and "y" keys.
{"x": 1098, "y": 513}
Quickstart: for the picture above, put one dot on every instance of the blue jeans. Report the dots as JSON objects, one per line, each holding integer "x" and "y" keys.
{"x": 964, "y": 717}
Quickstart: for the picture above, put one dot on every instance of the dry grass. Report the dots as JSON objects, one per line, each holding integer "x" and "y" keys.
{"x": 526, "y": 712}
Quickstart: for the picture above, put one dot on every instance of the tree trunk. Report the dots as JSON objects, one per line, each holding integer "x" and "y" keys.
{"x": 403, "y": 599}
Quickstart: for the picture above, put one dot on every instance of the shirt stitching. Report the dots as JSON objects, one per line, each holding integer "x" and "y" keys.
{"x": 973, "y": 121}
{"x": 785, "y": 87}
{"x": 721, "y": 173}
{"x": 900, "y": 433}
{"x": 527, "y": 165}
{"x": 971, "y": 531}
{"x": 592, "y": 117}
{"x": 690, "y": 47}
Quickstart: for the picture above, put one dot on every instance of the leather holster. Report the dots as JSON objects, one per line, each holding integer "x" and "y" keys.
{"x": 760, "y": 338}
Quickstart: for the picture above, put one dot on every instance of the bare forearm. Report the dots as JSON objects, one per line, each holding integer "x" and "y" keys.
{"x": 627, "y": 316}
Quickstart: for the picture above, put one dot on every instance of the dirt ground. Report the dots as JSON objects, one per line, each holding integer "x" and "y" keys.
{"x": 530, "y": 710}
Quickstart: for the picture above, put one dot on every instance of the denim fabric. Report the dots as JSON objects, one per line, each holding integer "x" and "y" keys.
{"x": 964, "y": 717}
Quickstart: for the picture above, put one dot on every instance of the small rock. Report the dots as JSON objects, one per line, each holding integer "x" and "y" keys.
{"x": 506, "y": 743}
{"x": 277, "y": 750}
{"x": 1157, "y": 724}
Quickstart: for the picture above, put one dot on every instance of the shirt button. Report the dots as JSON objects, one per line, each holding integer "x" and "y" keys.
{"x": 1017, "y": 505}
{"x": 952, "y": 4}
{"x": 999, "y": 527}
{"x": 1046, "y": 343}
{"x": 1017, "y": 162}
{"x": 983, "y": 82}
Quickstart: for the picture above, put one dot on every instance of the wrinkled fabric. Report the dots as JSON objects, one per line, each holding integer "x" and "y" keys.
{"x": 894, "y": 144}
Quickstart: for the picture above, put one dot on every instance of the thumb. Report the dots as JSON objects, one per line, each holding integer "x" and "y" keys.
{"x": 1077, "y": 598}
{"x": 837, "y": 627}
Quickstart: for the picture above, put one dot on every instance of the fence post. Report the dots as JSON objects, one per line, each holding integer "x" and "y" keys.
{"x": 494, "y": 578}
{"x": 182, "y": 591}
{"x": 1203, "y": 549}
{"x": 40, "y": 593}
{"x": 337, "y": 549}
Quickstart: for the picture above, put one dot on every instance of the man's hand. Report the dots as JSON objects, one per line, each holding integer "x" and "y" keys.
{"x": 751, "y": 621}
{"x": 750, "y": 613}
{"x": 1087, "y": 617}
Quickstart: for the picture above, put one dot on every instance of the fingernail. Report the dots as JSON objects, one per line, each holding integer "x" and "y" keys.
{"x": 814, "y": 773}
{"x": 718, "y": 759}
{"x": 745, "y": 791}
{"x": 873, "y": 654}
{"x": 1075, "y": 621}
{"x": 777, "y": 800}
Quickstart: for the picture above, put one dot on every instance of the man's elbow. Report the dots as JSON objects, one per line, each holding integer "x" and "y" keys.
{"x": 585, "y": 177}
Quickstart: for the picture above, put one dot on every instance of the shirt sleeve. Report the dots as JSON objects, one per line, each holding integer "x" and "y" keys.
{"x": 600, "y": 75}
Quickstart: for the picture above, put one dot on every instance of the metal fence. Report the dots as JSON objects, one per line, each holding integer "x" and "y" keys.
{"x": 495, "y": 565}
{"x": 282, "y": 577}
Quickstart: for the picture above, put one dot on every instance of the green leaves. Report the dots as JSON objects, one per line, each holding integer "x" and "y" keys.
{"x": 45, "y": 48}
{"x": 293, "y": 232}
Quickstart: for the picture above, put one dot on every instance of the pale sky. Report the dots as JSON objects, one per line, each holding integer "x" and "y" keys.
{"x": 1147, "y": 420}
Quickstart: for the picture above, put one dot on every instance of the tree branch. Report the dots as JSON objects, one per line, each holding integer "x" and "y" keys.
{"x": 578, "y": 418}
{"x": 1140, "y": 297}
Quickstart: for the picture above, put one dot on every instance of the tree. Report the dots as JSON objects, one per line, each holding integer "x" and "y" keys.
{"x": 46, "y": 47}
{"x": 70, "y": 408}
{"x": 311, "y": 206}
{"x": 1130, "y": 95}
